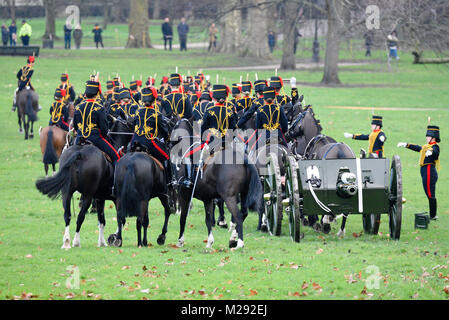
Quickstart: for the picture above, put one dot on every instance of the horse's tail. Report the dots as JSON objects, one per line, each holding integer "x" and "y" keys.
{"x": 50, "y": 154}
{"x": 254, "y": 195}
{"x": 29, "y": 111}
{"x": 60, "y": 182}
{"x": 129, "y": 196}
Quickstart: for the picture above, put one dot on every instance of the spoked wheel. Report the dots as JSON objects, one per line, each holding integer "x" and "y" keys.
{"x": 273, "y": 196}
{"x": 395, "y": 198}
{"x": 291, "y": 201}
{"x": 371, "y": 223}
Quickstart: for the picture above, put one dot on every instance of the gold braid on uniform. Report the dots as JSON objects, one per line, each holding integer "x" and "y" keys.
{"x": 271, "y": 126}
{"x": 89, "y": 123}
{"x": 223, "y": 124}
{"x": 57, "y": 111}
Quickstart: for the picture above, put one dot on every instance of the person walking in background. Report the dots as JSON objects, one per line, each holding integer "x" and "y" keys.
{"x": 368, "y": 42}
{"x": 271, "y": 40}
{"x": 67, "y": 35}
{"x": 78, "y": 35}
{"x": 167, "y": 32}
{"x": 12, "y": 34}
{"x": 5, "y": 35}
{"x": 392, "y": 43}
{"x": 25, "y": 33}
{"x": 97, "y": 35}
{"x": 212, "y": 36}
{"x": 183, "y": 30}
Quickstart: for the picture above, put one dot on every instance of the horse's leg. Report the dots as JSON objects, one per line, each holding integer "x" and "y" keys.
{"x": 79, "y": 222}
{"x": 31, "y": 130}
{"x": 341, "y": 232}
{"x": 221, "y": 219}
{"x": 145, "y": 223}
{"x": 208, "y": 208}
{"x": 139, "y": 221}
{"x": 101, "y": 223}
{"x": 20, "y": 122}
{"x": 46, "y": 169}
{"x": 53, "y": 165}
{"x": 164, "y": 201}
{"x": 243, "y": 207}
{"x": 26, "y": 126}
{"x": 231, "y": 203}
{"x": 184, "y": 204}
{"x": 67, "y": 217}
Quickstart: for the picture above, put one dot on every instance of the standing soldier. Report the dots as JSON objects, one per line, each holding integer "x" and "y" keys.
{"x": 59, "y": 112}
{"x": 430, "y": 164}
{"x": 24, "y": 79}
{"x": 376, "y": 138}
{"x": 177, "y": 103}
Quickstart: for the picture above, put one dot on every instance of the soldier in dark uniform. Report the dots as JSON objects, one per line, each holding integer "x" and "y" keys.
{"x": 376, "y": 138}
{"x": 24, "y": 79}
{"x": 246, "y": 101}
{"x": 277, "y": 83}
{"x": 137, "y": 97}
{"x": 90, "y": 122}
{"x": 236, "y": 91}
{"x": 430, "y": 163}
{"x": 164, "y": 89}
{"x": 259, "y": 86}
{"x": 199, "y": 110}
{"x": 176, "y": 103}
{"x": 59, "y": 112}
{"x": 127, "y": 103}
{"x": 67, "y": 86}
{"x": 109, "y": 95}
{"x": 149, "y": 128}
{"x": 270, "y": 117}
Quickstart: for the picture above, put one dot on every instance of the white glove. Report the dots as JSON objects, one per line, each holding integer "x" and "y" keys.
{"x": 429, "y": 153}
{"x": 402, "y": 144}
{"x": 382, "y": 138}
{"x": 348, "y": 135}
{"x": 293, "y": 82}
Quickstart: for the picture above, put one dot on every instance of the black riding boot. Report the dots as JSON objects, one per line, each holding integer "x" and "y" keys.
{"x": 187, "y": 181}
{"x": 433, "y": 208}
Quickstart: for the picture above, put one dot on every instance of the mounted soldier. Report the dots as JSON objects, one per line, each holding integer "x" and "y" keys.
{"x": 24, "y": 80}
{"x": 176, "y": 103}
{"x": 59, "y": 111}
{"x": 376, "y": 138}
{"x": 277, "y": 83}
{"x": 199, "y": 110}
{"x": 245, "y": 102}
{"x": 65, "y": 85}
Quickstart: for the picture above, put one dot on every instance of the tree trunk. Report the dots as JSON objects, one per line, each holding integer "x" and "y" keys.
{"x": 139, "y": 36}
{"x": 50, "y": 31}
{"x": 12, "y": 9}
{"x": 106, "y": 14}
{"x": 156, "y": 9}
{"x": 256, "y": 41}
{"x": 232, "y": 29}
{"x": 290, "y": 19}
{"x": 334, "y": 33}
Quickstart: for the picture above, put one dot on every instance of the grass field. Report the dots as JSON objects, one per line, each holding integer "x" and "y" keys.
{"x": 320, "y": 267}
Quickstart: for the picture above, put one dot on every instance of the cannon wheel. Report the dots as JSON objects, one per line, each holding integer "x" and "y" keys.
{"x": 292, "y": 195}
{"x": 273, "y": 203}
{"x": 395, "y": 198}
{"x": 371, "y": 223}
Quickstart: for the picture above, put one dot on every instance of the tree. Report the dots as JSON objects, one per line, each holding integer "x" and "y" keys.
{"x": 231, "y": 27}
{"x": 50, "y": 12}
{"x": 138, "y": 36}
{"x": 290, "y": 18}
{"x": 12, "y": 9}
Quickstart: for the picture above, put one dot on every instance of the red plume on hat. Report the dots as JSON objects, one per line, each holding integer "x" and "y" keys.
{"x": 31, "y": 59}
{"x": 154, "y": 92}
{"x": 139, "y": 83}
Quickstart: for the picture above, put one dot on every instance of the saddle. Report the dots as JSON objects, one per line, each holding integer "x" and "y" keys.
{"x": 84, "y": 142}
{"x": 137, "y": 147}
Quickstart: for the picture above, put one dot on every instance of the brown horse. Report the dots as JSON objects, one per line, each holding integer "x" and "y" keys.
{"x": 52, "y": 141}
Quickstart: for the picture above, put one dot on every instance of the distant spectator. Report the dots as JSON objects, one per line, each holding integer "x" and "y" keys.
{"x": 13, "y": 34}
{"x": 97, "y": 35}
{"x": 25, "y": 33}
{"x": 183, "y": 30}
{"x": 67, "y": 35}
{"x": 368, "y": 42}
{"x": 78, "y": 35}
{"x": 212, "y": 36}
{"x": 295, "y": 43}
{"x": 271, "y": 41}
{"x": 5, "y": 35}
{"x": 392, "y": 43}
{"x": 167, "y": 32}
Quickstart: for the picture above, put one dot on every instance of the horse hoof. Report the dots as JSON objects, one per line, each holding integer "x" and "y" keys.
{"x": 222, "y": 224}
{"x": 317, "y": 227}
{"x": 161, "y": 240}
{"x": 305, "y": 222}
{"x": 264, "y": 228}
{"x": 232, "y": 244}
{"x": 114, "y": 241}
{"x": 20, "y": 131}
{"x": 326, "y": 228}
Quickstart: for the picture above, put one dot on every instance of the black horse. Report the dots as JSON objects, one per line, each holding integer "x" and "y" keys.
{"x": 86, "y": 170}
{"x": 218, "y": 180}
{"x": 27, "y": 108}
{"x": 308, "y": 142}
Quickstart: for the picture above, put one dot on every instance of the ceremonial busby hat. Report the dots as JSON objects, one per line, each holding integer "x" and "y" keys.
{"x": 175, "y": 79}
{"x": 198, "y": 79}
{"x": 269, "y": 93}
{"x": 59, "y": 93}
{"x": 434, "y": 132}
{"x": 64, "y": 77}
{"x": 276, "y": 82}
{"x": 236, "y": 88}
{"x": 377, "y": 120}
{"x": 124, "y": 94}
{"x": 246, "y": 86}
{"x": 220, "y": 91}
{"x": 259, "y": 85}
{"x": 116, "y": 93}
{"x": 30, "y": 59}
{"x": 92, "y": 88}
{"x": 206, "y": 95}
{"x": 109, "y": 84}
{"x": 133, "y": 85}
{"x": 149, "y": 95}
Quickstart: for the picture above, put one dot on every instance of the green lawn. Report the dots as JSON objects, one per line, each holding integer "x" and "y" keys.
{"x": 320, "y": 267}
